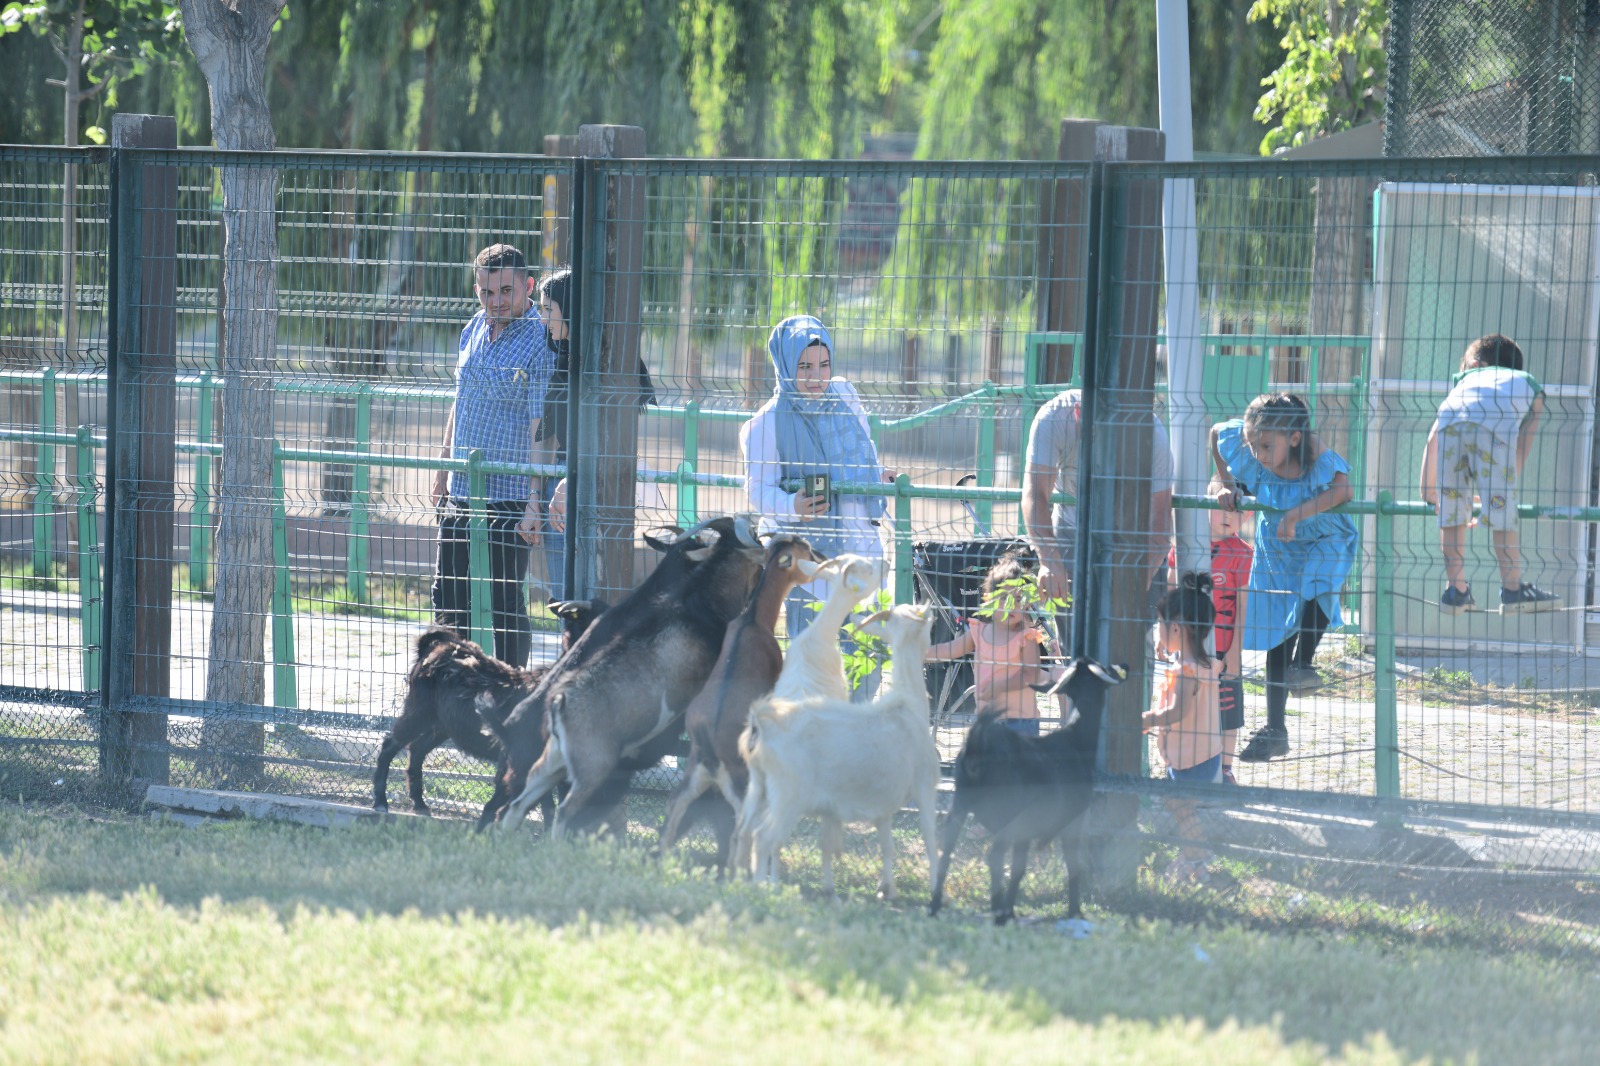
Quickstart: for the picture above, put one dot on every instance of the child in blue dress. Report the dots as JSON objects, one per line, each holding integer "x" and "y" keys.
{"x": 1302, "y": 554}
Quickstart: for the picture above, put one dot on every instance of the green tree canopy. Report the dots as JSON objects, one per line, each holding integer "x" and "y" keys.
{"x": 1333, "y": 70}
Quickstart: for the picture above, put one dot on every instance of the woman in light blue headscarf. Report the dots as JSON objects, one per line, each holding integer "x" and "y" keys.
{"x": 814, "y": 424}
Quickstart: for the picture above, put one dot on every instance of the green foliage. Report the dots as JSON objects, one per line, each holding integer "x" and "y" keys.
{"x": 867, "y": 652}
{"x": 119, "y": 41}
{"x": 1451, "y": 679}
{"x": 788, "y": 80}
{"x": 1022, "y": 594}
{"x": 1333, "y": 69}
{"x": 1003, "y": 73}
{"x": 799, "y": 241}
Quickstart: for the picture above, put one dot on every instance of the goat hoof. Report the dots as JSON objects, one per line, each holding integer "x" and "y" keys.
{"x": 381, "y": 808}
{"x": 421, "y": 810}
{"x": 1003, "y": 917}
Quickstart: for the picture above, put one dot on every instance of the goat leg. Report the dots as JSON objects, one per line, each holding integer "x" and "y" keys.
{"x": 421, "y": 748}
{"x": 886, "y": 890}
{"x": 949, "y": 833}
{"x": 743, "y": 855}
{"x": 530, "y": 787}
{"x": 997, "y": 878}
{"x": 497, "y": 800}
{"x": 407, "y": 728}
{"x": 1019, "y": 867}
{"x": 1073, "y": 852}
{"x": 832, "y": 844}
{"x": 694, "y": 784}
{"x": 928, "y": 819}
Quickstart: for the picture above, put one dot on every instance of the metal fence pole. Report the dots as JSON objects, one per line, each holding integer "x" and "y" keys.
{"x": 478, "y": 551}
{"x": 45, "y": 476}
{"x": 284, "y": 688}
{"x": 200, "y": 517}
{"x": 984, "y": 509}
{"x": 903, "y": 581}
{"x": 688, "y": 492}
{"x": 1387, "y": 761}
{"x": 356, "y": 552}
{"x": 90, "y": 603}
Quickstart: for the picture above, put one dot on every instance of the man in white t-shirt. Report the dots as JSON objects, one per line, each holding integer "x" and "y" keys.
{"x": 1052, "y": 466}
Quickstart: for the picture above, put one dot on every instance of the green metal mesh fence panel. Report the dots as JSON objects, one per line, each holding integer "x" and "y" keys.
{"x": 1478, "y": 78}
{"x": 961, "y": 299}
{"x": 53, "y": 239}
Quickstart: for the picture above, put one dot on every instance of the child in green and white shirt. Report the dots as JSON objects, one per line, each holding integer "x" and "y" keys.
{"x": 1478, "y": 444}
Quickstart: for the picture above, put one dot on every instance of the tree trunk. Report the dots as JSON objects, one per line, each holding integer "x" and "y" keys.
{"x": 71, "y": 414}
{"x": 1338, "y": 280}
{"x": 229, "y": 39}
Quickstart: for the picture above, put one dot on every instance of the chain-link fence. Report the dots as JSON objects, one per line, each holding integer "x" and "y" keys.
{"x": 963, "y": 300}
{"x": 1468, "y": 78}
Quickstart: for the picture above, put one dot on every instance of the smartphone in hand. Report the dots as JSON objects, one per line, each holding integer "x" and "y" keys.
{"x": 816, "y": 485}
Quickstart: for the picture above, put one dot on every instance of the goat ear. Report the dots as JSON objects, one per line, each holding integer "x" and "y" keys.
{"x": 875, "y": 618}
{"x": 808, "y": 569}
{"x": 1116, "y": 675}
{"x": 1055, "y": 685}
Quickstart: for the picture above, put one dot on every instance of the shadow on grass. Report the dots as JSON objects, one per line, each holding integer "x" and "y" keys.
{"x": 1273, "y": 926}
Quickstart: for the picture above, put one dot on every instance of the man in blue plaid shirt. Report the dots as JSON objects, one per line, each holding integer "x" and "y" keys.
{"x": 502, "y": 369}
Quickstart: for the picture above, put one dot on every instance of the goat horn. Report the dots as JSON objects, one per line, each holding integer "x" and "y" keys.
{"x": 696, "y": 529}
{"x": 1116, "y": 675}
{"x": 744, "y": 532}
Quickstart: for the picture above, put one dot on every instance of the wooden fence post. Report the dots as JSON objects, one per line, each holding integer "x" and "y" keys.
{"x": 141, "y": 616}
{"x": 614, "y": 397}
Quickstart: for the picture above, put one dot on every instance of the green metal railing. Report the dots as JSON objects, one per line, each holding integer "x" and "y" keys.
{"x": 985, "y": 398}
{"x": 1382, "y": 550}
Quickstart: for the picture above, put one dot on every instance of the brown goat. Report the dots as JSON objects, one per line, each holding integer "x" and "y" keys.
{"x": 745, "y": 670}
{"x": 451, "y": 687}
{"x": 616, "y": 702}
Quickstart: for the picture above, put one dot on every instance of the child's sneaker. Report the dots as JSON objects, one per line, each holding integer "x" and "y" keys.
{"x": 1528, "y": 598}
{"x": 1268, "y": 743}
{"x": 1453, "y": 602}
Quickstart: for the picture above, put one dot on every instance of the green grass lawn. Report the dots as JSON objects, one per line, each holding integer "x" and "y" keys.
{"x": 123, "y": 940}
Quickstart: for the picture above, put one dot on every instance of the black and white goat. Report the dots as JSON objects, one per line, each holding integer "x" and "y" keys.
{"x": 452, "y": 687}
{"x": 1029, "y": 790}
{"x": 615, "y": 703}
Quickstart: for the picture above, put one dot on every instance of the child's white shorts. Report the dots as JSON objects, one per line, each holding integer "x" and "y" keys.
{"x": 1472, "y": 459}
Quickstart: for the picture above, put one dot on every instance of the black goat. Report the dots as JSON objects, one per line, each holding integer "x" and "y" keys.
{"x": 453, "y": 686}
{"x": 615, "y": 703}
{"x": 1028, "y": 790}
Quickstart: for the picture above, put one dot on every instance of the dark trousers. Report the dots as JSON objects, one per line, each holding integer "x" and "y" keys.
{"x": 1297, "y": 650}
{"x": 508, "y": 567}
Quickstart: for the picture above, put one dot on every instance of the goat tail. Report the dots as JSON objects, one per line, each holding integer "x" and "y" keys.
{"x": 766, "y": 715}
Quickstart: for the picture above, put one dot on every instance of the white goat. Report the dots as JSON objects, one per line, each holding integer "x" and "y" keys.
{"x": 812, "y": 667}
{"x": 845, "y": 763}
